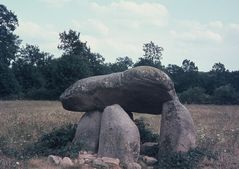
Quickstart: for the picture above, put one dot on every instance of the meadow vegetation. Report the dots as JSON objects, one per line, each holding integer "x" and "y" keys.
{"x": 23, "y": 123}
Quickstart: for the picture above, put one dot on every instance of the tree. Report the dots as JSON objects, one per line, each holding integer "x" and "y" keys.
{"x": 176, "y": 73}
{"x": 32, "y": 55}
{"x": 226, "y": 95}
{"x": 152, "y": 55}
{"x": 71, "y": 45}
{"x": 96, "y": 63}
{"x": 218, "y": 67}
{"x": 9, "y": 42}
{"x": 187, "y": 76}
{"x": 33, "y": 61}
{"x": 69, "y": 69}
{"x": 8, "y": 84}
{"x": 189, "y": 66}
{"x": 195, "y": 95}
{"x": 219, "y": 75}
{"x": 121, "y": 64}
{"x": 173, "y": 70}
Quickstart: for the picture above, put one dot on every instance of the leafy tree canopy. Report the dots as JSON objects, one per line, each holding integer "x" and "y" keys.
{"x": 121, "y": 64}
{"x": 152, "y": 55}
{"x": 9, "y": 42}
{"x": 189, "y": 66}
{"x": 218, "y": 67}
{"x": 32, "y": 55}
{"x": 71, "y": 45}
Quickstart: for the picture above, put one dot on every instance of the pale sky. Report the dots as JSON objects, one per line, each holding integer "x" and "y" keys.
{"x": 204, "y": 31}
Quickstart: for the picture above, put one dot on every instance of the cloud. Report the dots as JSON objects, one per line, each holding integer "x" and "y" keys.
{"x": 91, "y": 26}
{"x": 216, "y": 25}
{"x": 234, "y": 26}
{"x": 133, "y": 14}
{"x": 35, "y": 31}
{"x": 45, "y": 36}
{"x": 120, "y": 28}
{"x": 196, "y": 32}
{"x": 197, "y": 36}
{"x": 55, "y": 3}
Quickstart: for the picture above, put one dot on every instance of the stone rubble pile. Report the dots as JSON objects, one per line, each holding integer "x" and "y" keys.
{"x": 88, "y": 160}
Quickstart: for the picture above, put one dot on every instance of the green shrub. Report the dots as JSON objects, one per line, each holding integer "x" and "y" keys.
{"x": 57, "y": 142}
{"x": 146, "y": 135}
{"x": 226, "y": 94}
{"x": 6, "y": 149}
{"x": 189, "y": 160}
{"x": 194, "y": 95}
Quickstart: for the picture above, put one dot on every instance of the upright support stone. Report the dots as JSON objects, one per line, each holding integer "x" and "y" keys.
{"x": 119, "y": 136}
{"x": 177, "y": 133}
{"x": 88, "y": 131}
{"x": 131, "y": 115}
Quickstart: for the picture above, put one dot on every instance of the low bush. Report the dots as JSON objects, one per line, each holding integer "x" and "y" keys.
{"x": 194, "y": 95}
{"x": 146, "y": 135}
{"x": 226, "y": 94}
{"x": 189, "y": 160}
{"x": 57, "y": 142}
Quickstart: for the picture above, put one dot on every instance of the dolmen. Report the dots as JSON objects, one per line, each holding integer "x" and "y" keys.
{"x": 109, "y": 100}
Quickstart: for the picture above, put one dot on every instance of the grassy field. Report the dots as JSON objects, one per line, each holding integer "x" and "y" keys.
{"x": 23, "y": 122}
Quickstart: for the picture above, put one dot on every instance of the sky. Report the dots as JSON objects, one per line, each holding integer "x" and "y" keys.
{"x": 205, "y": 31}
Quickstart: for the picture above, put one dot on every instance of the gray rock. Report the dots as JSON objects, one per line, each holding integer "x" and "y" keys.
{"x": 149, "y": 160}
{"x": 87, "y": 156}
{"x": 149, "y": 148}
{"x": 111, "y": 161}
{"x": 56, "y": 160}
{"x": 119, "y": 136}
{"x": 132, "y": 166}
{"x": 142, "y": 89}
{"x": 81, "y": 161}
{"x": 66, "y": 162}
{"x": 177, "y": 132}
{"x": 99, "y": 163}
{"x": 88, "y": 130}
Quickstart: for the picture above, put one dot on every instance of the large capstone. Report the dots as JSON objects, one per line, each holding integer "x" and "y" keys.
{"x": 142, "y": 89}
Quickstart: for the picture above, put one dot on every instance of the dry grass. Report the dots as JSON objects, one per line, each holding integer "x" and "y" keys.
{"x": 23, "y": 122}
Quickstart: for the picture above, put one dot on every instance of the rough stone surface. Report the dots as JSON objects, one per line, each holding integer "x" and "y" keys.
{"x": 119, "y": 136}
{"x": 113, "y": 161}
{"x": 142, "y": 89}
{"x": 149, "y": 160}
{"x": 177, "y": 133}
{"x": 54, "y": 159}
{"x": 87, "y": 155}
{"x": 81, "y": 161}
{"x": 88, "y": 130}
{"x": 149, "y": 148}
{"x": 66, "y": 162}
{"x": 100, "y": 163}
{"x": 133, "y": 166}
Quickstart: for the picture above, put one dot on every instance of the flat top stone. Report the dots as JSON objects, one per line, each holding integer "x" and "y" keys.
{"x": 142, "y": 89}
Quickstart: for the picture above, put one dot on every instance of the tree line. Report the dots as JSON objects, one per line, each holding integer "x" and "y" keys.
{"x": 26, "y": 72}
